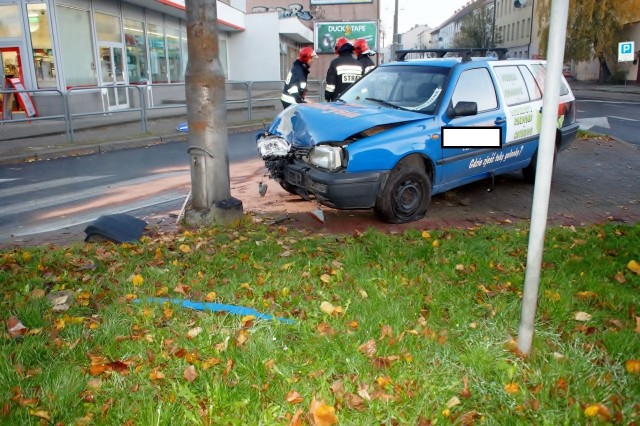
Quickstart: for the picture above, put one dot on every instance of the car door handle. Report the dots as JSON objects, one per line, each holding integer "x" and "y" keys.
{"x": 500, "y": 121}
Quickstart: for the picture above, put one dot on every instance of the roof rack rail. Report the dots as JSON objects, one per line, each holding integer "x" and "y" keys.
{"x": 464, "y": 52}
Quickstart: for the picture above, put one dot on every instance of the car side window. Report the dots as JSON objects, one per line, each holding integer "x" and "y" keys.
{"x": 475, "y": 85}
{"x": 534, "y": 91}
{"x": 540, "y": 71}
{"x": 514, "y": 89}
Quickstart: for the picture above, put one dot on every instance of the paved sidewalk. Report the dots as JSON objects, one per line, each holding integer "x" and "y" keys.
{"x": 46, "y": 139}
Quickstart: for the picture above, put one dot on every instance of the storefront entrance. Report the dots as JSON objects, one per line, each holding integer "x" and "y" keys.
{"x": 11, "y": 61}
{"x": 112, "y": 74}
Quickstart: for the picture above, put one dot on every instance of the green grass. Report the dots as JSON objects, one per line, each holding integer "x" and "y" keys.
{"x": 437, "y": 310}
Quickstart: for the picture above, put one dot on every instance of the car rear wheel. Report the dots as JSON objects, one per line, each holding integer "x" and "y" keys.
{"x": 405, "y": 196}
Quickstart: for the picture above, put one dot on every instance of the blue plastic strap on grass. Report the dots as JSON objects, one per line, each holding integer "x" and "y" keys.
{"x": 217, "y": 307}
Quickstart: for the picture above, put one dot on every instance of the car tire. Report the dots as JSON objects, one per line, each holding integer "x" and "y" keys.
{"x": 529, "y": 172}
{"x": 405, "y": 196}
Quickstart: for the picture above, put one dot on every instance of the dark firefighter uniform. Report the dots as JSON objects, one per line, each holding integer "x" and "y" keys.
{"x": 295, "y": 86}
{"x": 342, "y": 73}
{"x": 366, "y": 62}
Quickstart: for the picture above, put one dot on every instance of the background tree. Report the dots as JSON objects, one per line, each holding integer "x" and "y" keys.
{"x": 477, "y": 30}
{"x": 594, "y": 29}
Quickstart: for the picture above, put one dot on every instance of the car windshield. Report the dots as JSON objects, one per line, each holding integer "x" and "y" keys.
{"x": 414, "y": 88}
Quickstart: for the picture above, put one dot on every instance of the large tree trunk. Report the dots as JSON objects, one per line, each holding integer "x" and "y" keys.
{"x": 605, "y": 72}
{"x": 206, "y": 114}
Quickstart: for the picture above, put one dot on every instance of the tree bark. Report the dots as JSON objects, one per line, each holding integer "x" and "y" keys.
{"x": 206, "y": 115}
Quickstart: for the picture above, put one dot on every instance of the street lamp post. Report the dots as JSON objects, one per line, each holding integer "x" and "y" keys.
{"x": 394, "y": 45}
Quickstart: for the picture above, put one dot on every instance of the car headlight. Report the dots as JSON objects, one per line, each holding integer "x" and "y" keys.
{"x": 326, "y": 156}
{"x": 273, "y": 146}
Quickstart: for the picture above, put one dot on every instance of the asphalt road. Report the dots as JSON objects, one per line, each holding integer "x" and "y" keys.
{"x": 619, "y": 119}
{"x": 52, "y": 201}
{"x": 50, "y": 196}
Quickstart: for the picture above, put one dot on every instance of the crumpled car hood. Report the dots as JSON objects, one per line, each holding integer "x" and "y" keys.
{"x": 306, "y": 125}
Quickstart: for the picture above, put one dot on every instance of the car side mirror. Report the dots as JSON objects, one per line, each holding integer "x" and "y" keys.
{"x": 464, "y": 109}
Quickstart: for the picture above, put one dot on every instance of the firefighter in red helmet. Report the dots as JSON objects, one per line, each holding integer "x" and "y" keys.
{"x": 295, "y": 86}
{"x": 343, "y": 70}
{"x": 364, "y": 53}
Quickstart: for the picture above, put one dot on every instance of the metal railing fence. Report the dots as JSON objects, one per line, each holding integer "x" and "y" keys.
{"x": 252, "y": 99}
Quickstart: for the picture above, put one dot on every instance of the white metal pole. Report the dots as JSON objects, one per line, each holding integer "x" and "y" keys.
{"x": 544, "y": 169}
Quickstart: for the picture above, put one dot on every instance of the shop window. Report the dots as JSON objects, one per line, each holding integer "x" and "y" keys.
{"x": 43, "y": 58}
{"x": 108, "y": 28}
{"x": 222, "y": 54}
{"x": 10, "y": 21}
{"x": 78, "y": 61}
{"x": 157, "y": 58}
{"x": 185, "y": 53}
{"x": 137, "y": 66}
{"x": 173, "y": 54}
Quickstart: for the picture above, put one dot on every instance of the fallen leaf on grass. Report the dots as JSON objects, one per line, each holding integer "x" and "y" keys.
{"x": 323, "y": 414}
{"x": 210, "y": 362}
{"x": 182, "y": 289}
{"x": 137, "y": 280}
{"x": 384, "y": 362}
{"x": 40, "y": 414}
{"x": 156, "y": 375}
{"x": 633, "y": 366}
{"x": 241, "y": 337}
{"x": 15, "y": 328}
{"x": 581, "y": 316}
{"x": 465, "y": 390}
{"x": 329, "y": 309}
{"x": 296, "y": 420}
{"x": 194, "y": 332}
{"x": 634, "y": 267}
{"x": 354, "y": 402}
{"x": 586, "y": 295}
{"x": 247, "y": 320}
{"x": 190, "y": 373}
{"x": 599, "y": 410}
{"x": 619, "y": 277}
{"x": 99, "y": 368}
{"x": 325, "y": 329}
{"x": 293, "y": 397}
{"x": 511, "y": 388}
{"x": 468, "y": 418}
{"x": 453, "y": 402}
{"x": 369, "y": 348}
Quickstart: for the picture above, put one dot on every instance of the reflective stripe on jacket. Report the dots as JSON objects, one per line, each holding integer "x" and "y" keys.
{"x": 295, "y": 86}
{"x": 367, "y": 63}
{"x": 342, "y": 73}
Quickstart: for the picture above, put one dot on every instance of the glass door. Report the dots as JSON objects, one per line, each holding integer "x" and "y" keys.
{"x": 11, "y": 68}
{"x": 112, "y": 74}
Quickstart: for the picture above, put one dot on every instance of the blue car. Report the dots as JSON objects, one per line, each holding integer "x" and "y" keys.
{"x": 414, "y": 128}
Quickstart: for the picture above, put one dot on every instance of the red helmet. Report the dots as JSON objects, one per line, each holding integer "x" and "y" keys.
{"x": 306, "y": 53}
{"x": 341, "y": 44}
{"x": 362, "y": 47}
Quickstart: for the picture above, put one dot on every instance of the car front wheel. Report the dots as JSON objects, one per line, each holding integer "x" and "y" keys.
{"x": 405, "y": 196}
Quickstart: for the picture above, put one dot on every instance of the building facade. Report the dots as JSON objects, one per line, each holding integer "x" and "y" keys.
{"x": 61, "y": 46}
{"x": 327, "y": 20}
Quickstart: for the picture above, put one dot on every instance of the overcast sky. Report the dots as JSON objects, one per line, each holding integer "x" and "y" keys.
{"x": 421, "y": 12}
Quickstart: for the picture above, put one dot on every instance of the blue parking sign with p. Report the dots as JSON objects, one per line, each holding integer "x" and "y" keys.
{"x": 625, "y": 51}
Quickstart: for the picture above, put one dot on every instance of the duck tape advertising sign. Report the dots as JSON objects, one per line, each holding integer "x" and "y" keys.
{"x": 326, "y": 34}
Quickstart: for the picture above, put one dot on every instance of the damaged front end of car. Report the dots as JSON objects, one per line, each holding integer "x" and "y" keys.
{"x": 307, "y": 151}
